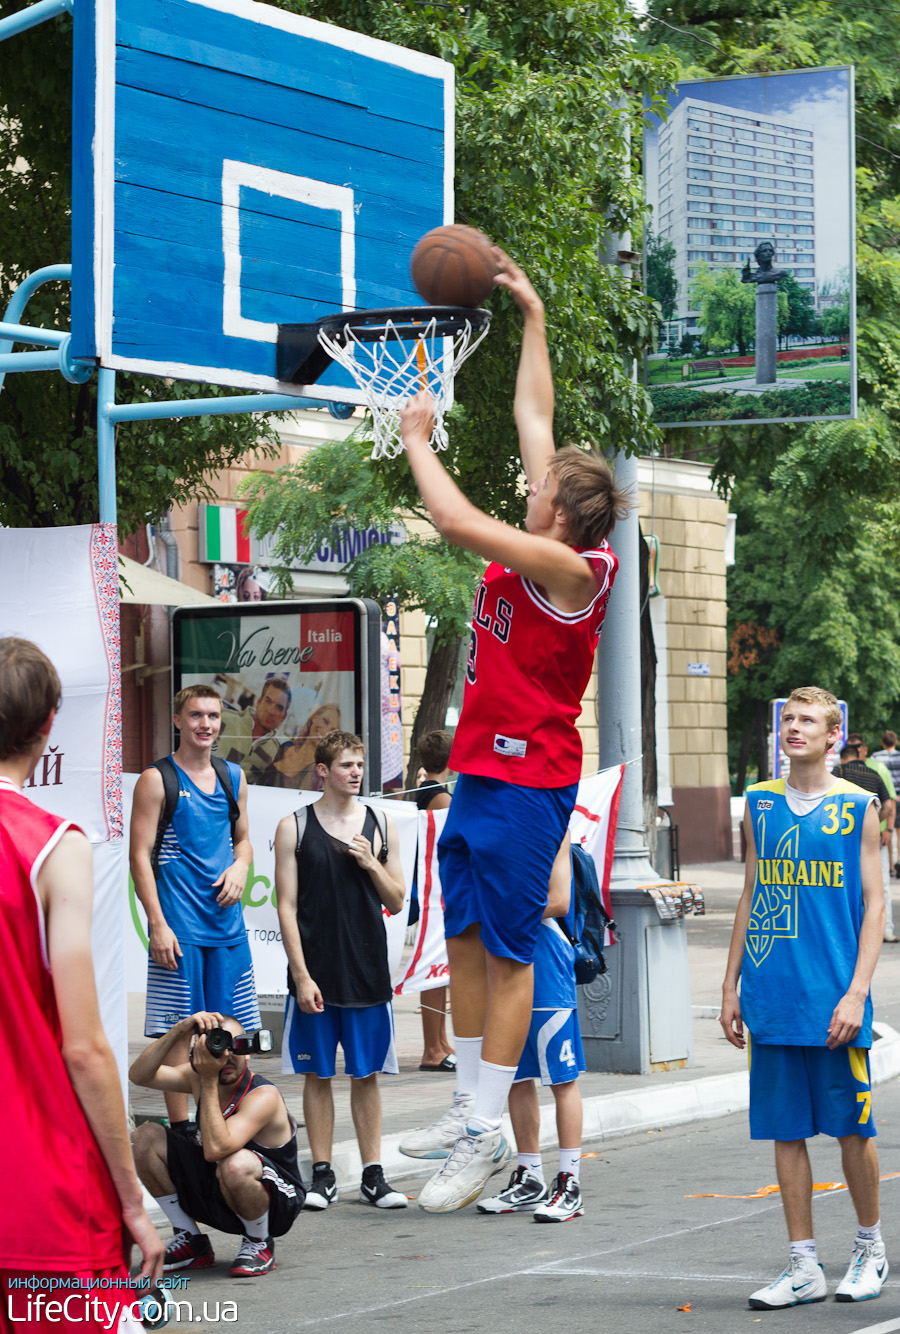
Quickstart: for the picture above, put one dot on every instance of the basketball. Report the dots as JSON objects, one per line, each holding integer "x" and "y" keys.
{"x": 453, "y": 266}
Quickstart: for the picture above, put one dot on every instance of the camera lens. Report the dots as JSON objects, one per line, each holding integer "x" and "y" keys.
{"x": 218, "y": 1041}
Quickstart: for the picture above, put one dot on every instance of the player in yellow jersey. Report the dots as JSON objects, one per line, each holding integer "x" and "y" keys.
{"x": 806, "y": 938}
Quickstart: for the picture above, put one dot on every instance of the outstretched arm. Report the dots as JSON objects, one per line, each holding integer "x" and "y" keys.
{"x": 533, "y": 404}
{"x": 565, "y": 575}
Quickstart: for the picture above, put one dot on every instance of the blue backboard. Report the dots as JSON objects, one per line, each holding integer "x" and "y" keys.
{"x": 247, "y": 167}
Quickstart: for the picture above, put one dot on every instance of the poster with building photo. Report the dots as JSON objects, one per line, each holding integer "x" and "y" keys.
{"x": 287, "y": 677}
{"x": 750, "y": 250}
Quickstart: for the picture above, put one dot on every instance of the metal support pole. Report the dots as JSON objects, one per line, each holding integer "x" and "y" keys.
{"x": 211, "y": 407}
{"x": 27, "y": 333}
{"x": 27, "y": 361}
{"x": 31, "y": 17}
{"x": 106, "y": 445}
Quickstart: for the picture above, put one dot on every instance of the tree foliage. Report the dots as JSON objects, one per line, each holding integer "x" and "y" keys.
{"x": 662, "y": 285}
{"x": 727, "y": 309}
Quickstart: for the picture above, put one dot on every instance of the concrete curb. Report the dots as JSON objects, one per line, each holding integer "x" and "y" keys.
{"x": 606, "y": 1116}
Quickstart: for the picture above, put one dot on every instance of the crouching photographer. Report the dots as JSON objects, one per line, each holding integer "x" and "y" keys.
{"x": 240, "y": 1174}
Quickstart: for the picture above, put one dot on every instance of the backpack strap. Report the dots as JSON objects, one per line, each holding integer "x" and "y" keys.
{"x": 223, "y": 773}
{"x": 378, "y": 816}
{"x": 171, "y": 787}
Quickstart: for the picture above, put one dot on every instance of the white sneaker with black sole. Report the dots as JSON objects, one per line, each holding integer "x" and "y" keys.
{"x": 373, "y": 1189}
{"x": 865, "y": 1277}
{"x": 565, "y": 1201}
{"x": 463, "y": 1176}
{"x": 436, "y": 1140}
{"x": 525, "y": 1191}
{"x": 323, "y": 1189}
{"x": 803, "y": 1281}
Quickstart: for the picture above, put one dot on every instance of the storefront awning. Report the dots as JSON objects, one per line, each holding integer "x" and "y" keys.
{"x": 140, "y": 583}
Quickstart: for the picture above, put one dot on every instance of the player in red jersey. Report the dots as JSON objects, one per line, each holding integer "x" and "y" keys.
{"x": 73, "y": 1199}
{"x": 535, "y": 627}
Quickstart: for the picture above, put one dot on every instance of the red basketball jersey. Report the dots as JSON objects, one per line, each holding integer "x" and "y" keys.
{"x": 528, "y": 667}
{"x": 62, "y": 1213}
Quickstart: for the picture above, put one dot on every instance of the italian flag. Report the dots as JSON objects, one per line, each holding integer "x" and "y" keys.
{"x": 223, "y": 535}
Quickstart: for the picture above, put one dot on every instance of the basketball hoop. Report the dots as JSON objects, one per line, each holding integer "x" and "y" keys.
{"x": 391, "y": 355}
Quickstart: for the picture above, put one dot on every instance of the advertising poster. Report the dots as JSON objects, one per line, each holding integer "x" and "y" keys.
{"x": 750, "y": 250}
{"x": 287, "y": 677}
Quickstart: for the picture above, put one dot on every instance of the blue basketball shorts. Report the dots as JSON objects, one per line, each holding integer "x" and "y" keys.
{"x": 797, "y": 1092}
{"x": 495, "y": 855}
{"x": 553, "y": 1052}
{"x": 366, "y": 1035}
{"x": 208, "y": 977}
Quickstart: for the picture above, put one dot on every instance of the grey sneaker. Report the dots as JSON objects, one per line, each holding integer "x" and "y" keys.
{"x": 565, "y": 1201}
{"x": 525, "y": 1191}
{"x": 464, "y": 1174}
{"x": 436, "y": 1140}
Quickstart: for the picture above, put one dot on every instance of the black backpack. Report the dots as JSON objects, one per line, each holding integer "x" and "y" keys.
{"x": 591, "y": 919}
{"x": 301, "y": 813}
{"x": 171, "y": 787}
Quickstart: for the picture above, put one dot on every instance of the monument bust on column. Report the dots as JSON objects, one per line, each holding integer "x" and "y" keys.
{"x": 766, "y": 273}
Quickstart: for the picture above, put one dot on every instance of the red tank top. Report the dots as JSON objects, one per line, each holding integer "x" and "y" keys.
{"x": 62, "y": 1212}
{"x": 528, "y": 667}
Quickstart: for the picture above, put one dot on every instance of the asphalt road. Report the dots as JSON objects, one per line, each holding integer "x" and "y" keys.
{"x": 643, "y": 1249}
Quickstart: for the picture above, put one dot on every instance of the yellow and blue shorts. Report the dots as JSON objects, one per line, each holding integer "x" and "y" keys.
{"x": 797, "y": 1092}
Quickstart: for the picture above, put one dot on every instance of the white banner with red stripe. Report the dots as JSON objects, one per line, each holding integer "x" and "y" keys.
{"x": 427, "y": 966}
{"x": 593, "y": 824}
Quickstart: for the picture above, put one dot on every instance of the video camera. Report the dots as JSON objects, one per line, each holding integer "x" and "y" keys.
{"x": 219, "y": 1040}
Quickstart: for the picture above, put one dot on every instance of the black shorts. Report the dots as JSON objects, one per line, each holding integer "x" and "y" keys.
{"x": 200, "y": 1195}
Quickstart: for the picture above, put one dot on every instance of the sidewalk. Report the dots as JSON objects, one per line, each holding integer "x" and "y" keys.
{"x": 614, "y": 1104}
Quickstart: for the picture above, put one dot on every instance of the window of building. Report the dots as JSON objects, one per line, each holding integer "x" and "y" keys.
{"x": 742, "y": 120}
{"x": 784, "y": 143}
{"x": 721, "y": 161}
{"x": 723, "y": 256}
{"x": 722, "y": 225}
{"x": 784, "y": 213}
{"x": 804, "y": 217}
{"x": 698, "y": 189}
{"x": 763, "y": 211}
{"x": 802, "y": 174}
{"x": 784, "y": 199}
{"x": 694, "y": 141}
{"x": 718, "y": 193}
{"x": 745, "y": 180}
{"x": 746, "y": 226}
{"x": 806, "y": 273}
{"x": 744, "y": 134}
{"x": 723, "y": 208}
{"x": 765, "y": 138}
{"x": 804, "y": 231}
{"x": 745, "y": 211}
{"x": 698, "y": 157}
{"x": 803, "y": 187}
{"x": 698, "y": 206}
{"x": 697, "y": 174}
{"x": 800, "y": 157}
{"x": 721, "y": 176}
{"x": 804, "y": 245}
{"x": 743, "y": 194}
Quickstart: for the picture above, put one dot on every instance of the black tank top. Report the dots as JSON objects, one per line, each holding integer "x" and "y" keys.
{"x": 284, "y": 1157}
{"x": 341, "y": 920}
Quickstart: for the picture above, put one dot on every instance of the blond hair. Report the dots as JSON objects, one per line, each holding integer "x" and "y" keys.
{"x": 824, "y": 698}
{"x": 587, "y": 494}
{"x": 187, "y": 693}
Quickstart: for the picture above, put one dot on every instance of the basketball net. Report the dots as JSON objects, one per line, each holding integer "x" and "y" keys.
{"x": 393, "y": 366}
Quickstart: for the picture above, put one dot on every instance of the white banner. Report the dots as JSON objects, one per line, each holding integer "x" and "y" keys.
{"x": 61, "y": 591}
{"x": 593, "y": 824}
{"x": 265, "y": 807}
{"x": 427, "y": 967}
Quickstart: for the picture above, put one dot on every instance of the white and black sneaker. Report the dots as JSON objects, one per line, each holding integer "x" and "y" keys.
{"x": 802, "y": 1282}
{"x": 865, "y": 1277}
{"x": 525, "y": 1191}
{"x": 373, "y": 1189}
{"x": 323, "y": 1189}
{"x": 565, "y": 1201}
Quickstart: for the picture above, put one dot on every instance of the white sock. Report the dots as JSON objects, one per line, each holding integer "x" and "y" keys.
{"x": 257, "y": 1228}
{"x": 494, "y": 1083}
{"x": 805, "y": 1248}
{"x": 533, "y": 1163}
{"x": 872, "y": 1233}
{"x": 570, "y": 1161}
{"x": 180, "y": 1221}
{"x": 468, "y": 1054}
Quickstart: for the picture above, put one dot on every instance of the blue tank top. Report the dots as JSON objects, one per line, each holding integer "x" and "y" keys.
{"x": 805, "y": 918}
{"x": 554, "y": 965}
{"x": 196, "y": 849}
